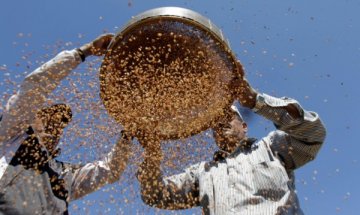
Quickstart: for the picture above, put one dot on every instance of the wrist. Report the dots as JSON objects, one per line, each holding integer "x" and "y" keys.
{"x": 259, "y": 102}
{"x": 249, "y": 99}
{"x": 81, "y": 54}
{"x": 85, "y": 50}
{"x": 252, "y": 99}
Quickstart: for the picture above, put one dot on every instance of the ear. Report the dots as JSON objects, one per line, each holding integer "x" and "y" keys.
{"x": 245, "y": 127}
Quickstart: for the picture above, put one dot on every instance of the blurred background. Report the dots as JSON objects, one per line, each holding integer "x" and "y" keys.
{"x": 307, "y": 50}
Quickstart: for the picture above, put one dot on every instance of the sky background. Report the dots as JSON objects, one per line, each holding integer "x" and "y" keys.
{"x": 307, "y": 50}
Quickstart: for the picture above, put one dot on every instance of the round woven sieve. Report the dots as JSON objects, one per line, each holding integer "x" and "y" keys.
{"x": 168, "y": 72}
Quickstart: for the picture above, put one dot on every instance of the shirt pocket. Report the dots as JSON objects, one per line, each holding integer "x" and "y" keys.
{"x": 269, "y": 176}
{"x": 270, "y": 180}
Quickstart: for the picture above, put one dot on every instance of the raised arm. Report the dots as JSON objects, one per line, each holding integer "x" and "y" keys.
{"x": 174, "y": 192}
{"x": 300, "y": 132}
{"x": 22, "y": 107}
{"x": 93, "y": 176}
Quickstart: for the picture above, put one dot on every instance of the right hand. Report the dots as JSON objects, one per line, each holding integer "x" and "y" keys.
{"x": 98, "y": 46}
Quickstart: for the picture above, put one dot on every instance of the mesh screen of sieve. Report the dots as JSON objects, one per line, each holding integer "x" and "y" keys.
{"x": 167, "y": 75}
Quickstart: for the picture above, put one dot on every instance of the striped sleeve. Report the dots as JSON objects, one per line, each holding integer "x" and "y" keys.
{"x": 298, "y": 139}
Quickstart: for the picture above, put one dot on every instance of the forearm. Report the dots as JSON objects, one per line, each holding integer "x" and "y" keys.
{"x": 289, "y": 116}
{"x": 49, "y": 74}
{"x": 93, "y": 176}
{"x": 22, "y": 107}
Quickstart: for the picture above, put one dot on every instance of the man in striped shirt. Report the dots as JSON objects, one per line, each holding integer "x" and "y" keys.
{"x": 247, "y": 176}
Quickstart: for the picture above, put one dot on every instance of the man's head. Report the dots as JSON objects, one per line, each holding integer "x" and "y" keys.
{"x": 49, "y": 124}
{"x": 230, "y": 130}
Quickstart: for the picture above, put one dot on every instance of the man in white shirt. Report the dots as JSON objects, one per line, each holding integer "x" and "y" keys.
{"x": 246, "y": 176}
{"x": 32, "y": 181}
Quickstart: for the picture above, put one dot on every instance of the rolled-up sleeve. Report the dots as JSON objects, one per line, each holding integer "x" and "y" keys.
{"x": 298, "y": 138}
{"x": 92, "y": 176}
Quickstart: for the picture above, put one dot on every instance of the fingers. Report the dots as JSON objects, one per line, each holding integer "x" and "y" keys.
{"x": 104, "y": 40}
{"x": 101, "y": 43}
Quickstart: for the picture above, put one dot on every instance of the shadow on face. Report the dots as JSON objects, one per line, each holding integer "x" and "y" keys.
{"x": 230, "y": 131}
